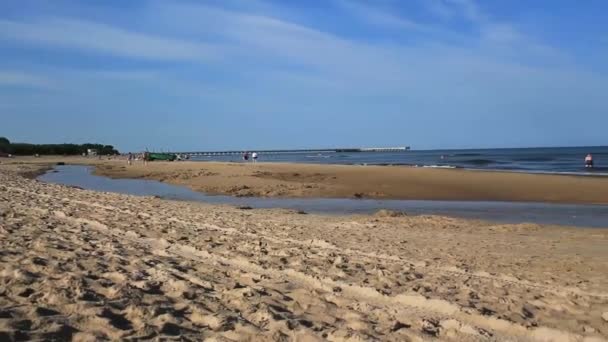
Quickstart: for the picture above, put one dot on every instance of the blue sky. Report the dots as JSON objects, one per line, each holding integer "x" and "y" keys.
{"x": 232, "y": 74}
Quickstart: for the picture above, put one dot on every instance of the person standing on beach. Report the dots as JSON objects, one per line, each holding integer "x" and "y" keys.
{"x": 589, "y": 160}
{"x": 130, "y": 159}
{"x": 254, "y": 157}
{"x": 246, "y": 156}
{"x": 145, "y": 157}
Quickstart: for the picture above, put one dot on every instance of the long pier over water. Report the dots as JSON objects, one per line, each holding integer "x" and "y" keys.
{"x": 322, "y": 150}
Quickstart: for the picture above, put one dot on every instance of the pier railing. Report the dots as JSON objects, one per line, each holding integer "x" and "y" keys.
{"x": 322, "y": 150}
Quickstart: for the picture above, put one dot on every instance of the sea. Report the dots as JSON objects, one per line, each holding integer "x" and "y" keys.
{"x": 552, "y": 160}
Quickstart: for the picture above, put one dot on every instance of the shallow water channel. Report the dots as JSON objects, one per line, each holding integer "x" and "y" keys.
{"x": 507, "y": 212}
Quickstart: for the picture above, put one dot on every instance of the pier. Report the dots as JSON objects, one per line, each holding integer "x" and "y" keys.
{"x": 322, "y": 150}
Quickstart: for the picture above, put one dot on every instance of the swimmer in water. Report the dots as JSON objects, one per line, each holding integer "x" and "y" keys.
{"x": 589, "y": 160}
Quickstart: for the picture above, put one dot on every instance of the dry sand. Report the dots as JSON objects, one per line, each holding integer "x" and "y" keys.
{"x": 92, "y": 266}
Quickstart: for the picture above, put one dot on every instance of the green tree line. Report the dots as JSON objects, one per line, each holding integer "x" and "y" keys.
{"x": 22, "y": 149}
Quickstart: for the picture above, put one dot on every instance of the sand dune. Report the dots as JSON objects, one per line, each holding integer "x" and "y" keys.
{"x": 91, "y": 266}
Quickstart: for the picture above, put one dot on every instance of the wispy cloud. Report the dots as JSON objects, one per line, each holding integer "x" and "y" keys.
{"x": 438, "y": 8}
{"x": 499, "y": 38}
{"x": 264, "y": 39}
{"x": 469, "y": 9}
{"x": 269, "y": 62}
{"x": 23, "y": 79}
{"x": 379, "y": 17}
{"x": 213, "y": 34}
{"x": 102, "y": 38}
{"x": 270, "y": 45}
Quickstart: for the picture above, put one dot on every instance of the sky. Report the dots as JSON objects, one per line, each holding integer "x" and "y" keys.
{"x": 263, "y": 74}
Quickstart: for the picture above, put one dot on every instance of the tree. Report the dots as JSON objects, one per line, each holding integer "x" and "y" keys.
{"x": 53, "y": 149}
{"x": 5, "y": 145}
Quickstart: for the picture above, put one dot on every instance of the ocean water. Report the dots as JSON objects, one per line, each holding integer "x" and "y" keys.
{"x": 508, "y": 212}
{"x": 568, "y": 160}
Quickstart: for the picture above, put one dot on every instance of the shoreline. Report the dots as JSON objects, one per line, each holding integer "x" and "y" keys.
{"x": 134, "y": 266}
{"x": 294, "y": 180}
{"x": 299, "y": 180}
{"x": 568, "y": 215}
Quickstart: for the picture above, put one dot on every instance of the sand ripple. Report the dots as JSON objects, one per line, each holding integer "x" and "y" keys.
{"x": 82, "y": 265}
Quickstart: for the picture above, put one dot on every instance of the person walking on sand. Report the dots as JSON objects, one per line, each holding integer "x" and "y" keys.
{"x": 145, "y": 157}
{"x": 246, "y": 156}
{"x": 589, "y": 160}
{"x": 130, "y": 159}
{"x": 254, "y": 157}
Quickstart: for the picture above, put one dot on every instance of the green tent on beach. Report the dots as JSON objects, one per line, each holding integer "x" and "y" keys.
{"x": 161, "y": 156}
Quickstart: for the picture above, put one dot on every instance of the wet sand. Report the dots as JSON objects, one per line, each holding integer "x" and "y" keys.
{"x": 381, "y": 182}
{"x": 86, "y": 265}
{"x": 340, "y": 181}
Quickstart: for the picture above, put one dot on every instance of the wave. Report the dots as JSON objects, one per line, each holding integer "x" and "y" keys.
{"x": 384, "y": 164}
{"x": 439, "y": 166}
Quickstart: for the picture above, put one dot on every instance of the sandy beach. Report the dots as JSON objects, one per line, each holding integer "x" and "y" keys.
{"x": 343, "y": 171}
{"x": 88, "y": 266}
{"x": 345, "y": 181}
{"x": 383, "y": 182}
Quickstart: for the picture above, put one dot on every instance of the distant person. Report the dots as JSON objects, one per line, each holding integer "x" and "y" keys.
{"x": 146, "y": 157}
{"x": 254, "y": 157}
{"x": 130, "y": 159}
{"x": 589, "y": 160}
{"x": 246, "y": 156}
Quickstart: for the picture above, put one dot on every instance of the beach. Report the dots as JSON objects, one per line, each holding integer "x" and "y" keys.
{"x": 380, "y": 182}
{"x": 87, "y": 265}
{"x": 347, "y": 181}
{"x": 343, "y": 171}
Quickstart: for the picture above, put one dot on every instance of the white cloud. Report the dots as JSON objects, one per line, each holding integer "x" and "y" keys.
{"x": 251, "y": 37}
{"x": 265, "y": 51}
{"x": 91, "y": 36}
{"x": 274, "y": 43}
{"x": 262, "y": 58}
